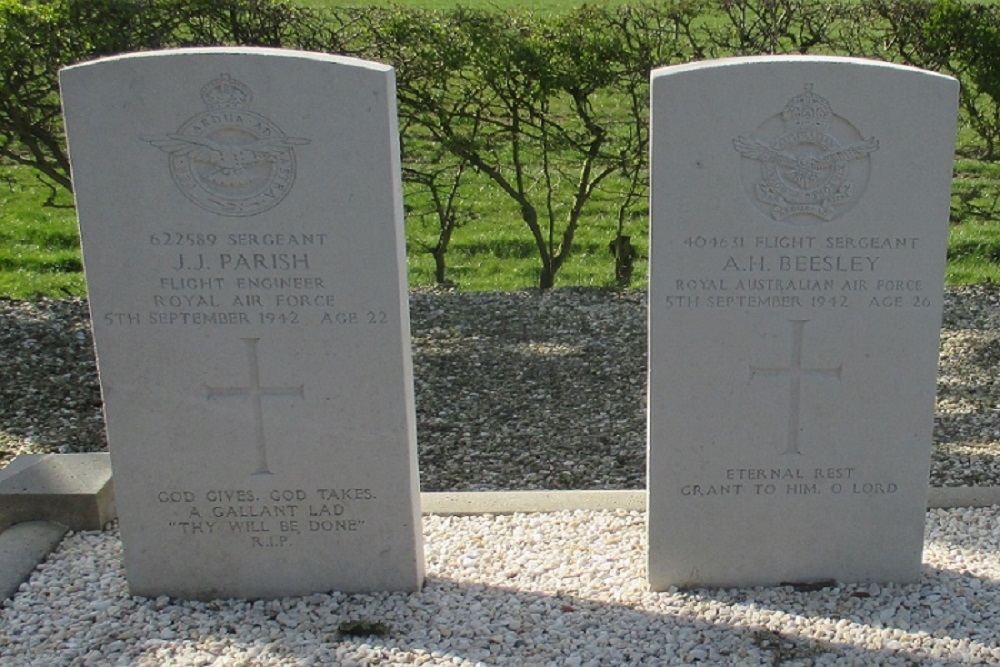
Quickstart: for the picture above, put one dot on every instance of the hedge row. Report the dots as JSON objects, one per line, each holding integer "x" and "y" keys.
{"x": 550, "y": 110}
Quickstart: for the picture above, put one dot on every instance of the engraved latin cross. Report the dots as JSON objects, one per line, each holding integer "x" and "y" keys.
{"x": 795, "y": 373}
{"x": 256, "y": 392}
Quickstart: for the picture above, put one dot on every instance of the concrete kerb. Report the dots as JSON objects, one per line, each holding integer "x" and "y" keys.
{"x": 22, "y": 547}
{"x": 44, "y": 496}
{"x": 509, "y": 502}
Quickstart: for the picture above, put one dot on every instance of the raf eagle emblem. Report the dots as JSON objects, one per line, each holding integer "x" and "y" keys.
{"x": 230, "y": 164}
{"x": 812, "y": 170}
{"x": 228, "y": 159}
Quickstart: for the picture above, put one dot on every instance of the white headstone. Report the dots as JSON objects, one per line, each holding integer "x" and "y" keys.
{"x": 241, "y": 219}
{"x": 799, "y": 229}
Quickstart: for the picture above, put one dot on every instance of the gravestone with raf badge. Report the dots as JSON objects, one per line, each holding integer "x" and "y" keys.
{"x": 798, "y": 235}
{"x": 241, "y": 221}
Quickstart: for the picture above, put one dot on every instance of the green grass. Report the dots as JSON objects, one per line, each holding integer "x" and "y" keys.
{"x": 40, "y": 255}
{"x": 39, "y": 243}
{"x": 492, "y": 250}
{"x": 974, "y": 241}
{"x": 503, "y": 257}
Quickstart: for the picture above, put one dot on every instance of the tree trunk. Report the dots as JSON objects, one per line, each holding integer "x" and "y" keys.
{"x": 439, "y": 264}
{"x": 547, "y": 278}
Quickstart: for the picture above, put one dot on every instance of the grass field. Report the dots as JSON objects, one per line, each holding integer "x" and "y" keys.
{"x": 40, "y": 256}
{"x": 39, "y": 245}
{"x": 492, "y": 250}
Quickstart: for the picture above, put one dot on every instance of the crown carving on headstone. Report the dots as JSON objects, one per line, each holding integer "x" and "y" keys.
{"x": 807, "y": 110}
{"x": 226, "y": 92}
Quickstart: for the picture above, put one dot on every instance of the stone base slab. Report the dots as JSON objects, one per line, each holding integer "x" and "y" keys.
{"x": 74, "y": 490}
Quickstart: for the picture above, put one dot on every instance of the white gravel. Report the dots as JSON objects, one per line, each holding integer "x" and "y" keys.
{"x": 562, "y": 589}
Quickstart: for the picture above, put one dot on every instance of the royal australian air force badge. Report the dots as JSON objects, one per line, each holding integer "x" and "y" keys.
{"x": 806, "y": 165}
{"x": 228, "y": 159}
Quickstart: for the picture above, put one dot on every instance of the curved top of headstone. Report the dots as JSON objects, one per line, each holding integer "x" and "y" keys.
{"x": 805, "y": 60}
{"x": 243, "y": 51}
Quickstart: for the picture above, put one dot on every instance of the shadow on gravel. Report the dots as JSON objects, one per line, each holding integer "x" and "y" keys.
{"x": 514, "y": 391}
{"x": 526, "y": 391}
{"x": 50, "y": 400}
{"x": 452, "y": 621}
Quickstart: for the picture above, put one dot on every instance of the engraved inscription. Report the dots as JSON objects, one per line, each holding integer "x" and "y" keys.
{"x": 779, "y": 271}
{"x": 268, "y": 518}
{"x": 230, "y": 160}
{"x": 840, "y": 481}
{"x": 795, "y": 372}
{"x": 255, "y": 391}
{"x": 245, "y": 279}
{"x": 807, "y": 165}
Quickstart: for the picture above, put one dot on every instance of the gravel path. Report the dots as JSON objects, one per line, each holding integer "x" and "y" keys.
{"x": 514, "y": 390}
{"x": 562, "y": 589}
